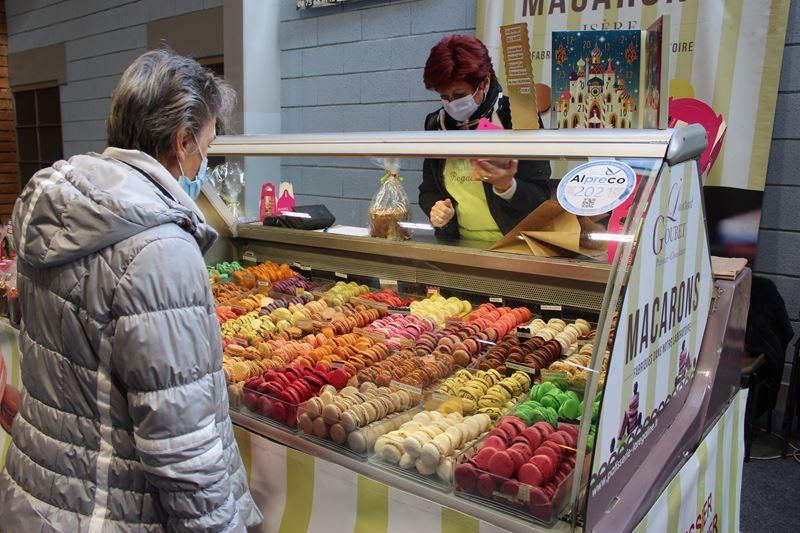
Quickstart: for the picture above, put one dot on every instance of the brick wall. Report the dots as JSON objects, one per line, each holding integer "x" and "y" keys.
{"x": 779, "y": 241}
{"x": 101, "y": 39}
{"x": 9, "y": 175}
{"x": 358, "y": 67}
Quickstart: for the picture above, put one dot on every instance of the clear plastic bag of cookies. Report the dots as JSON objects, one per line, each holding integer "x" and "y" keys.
{"x": 390, "y": 206}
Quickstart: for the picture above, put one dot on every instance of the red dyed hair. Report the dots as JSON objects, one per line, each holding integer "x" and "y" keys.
{"x": 457, "y": 58}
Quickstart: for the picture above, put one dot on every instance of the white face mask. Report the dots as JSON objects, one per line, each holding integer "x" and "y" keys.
{"x": 462, "y": 108}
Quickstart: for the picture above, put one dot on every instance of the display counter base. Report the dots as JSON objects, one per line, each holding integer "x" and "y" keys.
{"x": 303, "y": 486}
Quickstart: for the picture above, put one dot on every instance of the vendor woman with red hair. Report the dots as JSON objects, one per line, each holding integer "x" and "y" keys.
{"x": 474, "y": 199}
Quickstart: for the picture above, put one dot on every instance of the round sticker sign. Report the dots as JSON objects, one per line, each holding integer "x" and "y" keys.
{"x": 596, "y": 187}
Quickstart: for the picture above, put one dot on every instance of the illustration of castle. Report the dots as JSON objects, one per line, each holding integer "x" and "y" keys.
{"x": 596, "y": 97}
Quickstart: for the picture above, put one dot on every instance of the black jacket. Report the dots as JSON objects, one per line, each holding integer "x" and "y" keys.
{"x": 531, "y": 178}
{"x": 769, "y": 331}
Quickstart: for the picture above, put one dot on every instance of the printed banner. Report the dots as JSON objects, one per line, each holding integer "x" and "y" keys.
{"x": 519, "y": 78}
{"x": 661, "y": 323}
{"x": 704, "y": 496}
{"x": 724, "y": 53}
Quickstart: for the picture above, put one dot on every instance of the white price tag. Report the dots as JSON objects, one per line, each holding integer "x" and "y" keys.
{"x": 496, "y": 300}
{"x": 340, "y": 275}
{"x": 407, "y": 388}
{"x": 596, "y": 187}
{"x": 550, "y": 308}
{"x": 388, "y": 284}
{"x": 520, "y": 367}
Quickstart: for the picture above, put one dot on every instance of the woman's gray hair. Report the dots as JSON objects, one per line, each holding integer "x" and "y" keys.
{"x": 160, "y": 93}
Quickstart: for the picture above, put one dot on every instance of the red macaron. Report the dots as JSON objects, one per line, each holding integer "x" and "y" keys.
{"x": 569, "y": 439}
{"x": 569, "y": 428}
{"x": 517, "y": 457}
{"x": 530, "y": 474}
{"x": 517, "y": 422}
{"x": 486, "y": 485}
{"x": 523, "y": 447}
{"x": 558, "y": 448}
{"x": 545, "y": 464}
{"x": 554, "y": 456}
{"x": 251, "y": 401}
{"x": 540, "y": 503}
{"x": 558, "y": 437}
{"x": 495, "y": 442}
{"x": 338, "y": 378}
{"x": 544, "y": 427}
{"x": 483, "y": 456}
{"x": 534, "y": 436}
{"x": 501, "y": 464}
{"x": 510, "y": 488}
{"x": 279, "y": 412}
{"x": 466, "y": 477}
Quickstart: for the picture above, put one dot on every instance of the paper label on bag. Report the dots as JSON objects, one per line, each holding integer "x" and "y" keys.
{"x": 405, "y": 387}
{"x": 596, "y": 187}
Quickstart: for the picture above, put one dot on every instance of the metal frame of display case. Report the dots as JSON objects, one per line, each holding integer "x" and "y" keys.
{"x": 579, "y": 284}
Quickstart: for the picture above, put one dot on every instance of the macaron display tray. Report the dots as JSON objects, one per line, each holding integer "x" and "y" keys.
{"x": 357, "y": 443}
{"x": 520, "y": 504}
{"x": 441, "y": 479}
{"x": 270, "y": 410}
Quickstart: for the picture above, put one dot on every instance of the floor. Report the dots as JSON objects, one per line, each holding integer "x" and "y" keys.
{"x": 771, "y": 486}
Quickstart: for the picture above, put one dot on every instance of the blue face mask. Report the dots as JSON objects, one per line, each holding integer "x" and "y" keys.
{"x": 192, "y": 187}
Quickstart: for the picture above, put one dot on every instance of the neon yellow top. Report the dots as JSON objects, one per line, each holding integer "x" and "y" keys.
{"x": 475, "y": 221}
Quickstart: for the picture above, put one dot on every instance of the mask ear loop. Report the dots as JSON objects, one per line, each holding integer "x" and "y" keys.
{"x": 196, "y": 143}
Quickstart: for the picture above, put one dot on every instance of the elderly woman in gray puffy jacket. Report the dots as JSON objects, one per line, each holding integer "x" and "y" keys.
{"x": 123, "y": 422}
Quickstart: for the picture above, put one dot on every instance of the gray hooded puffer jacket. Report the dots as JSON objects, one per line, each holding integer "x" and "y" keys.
{"x": 123, "y": 421}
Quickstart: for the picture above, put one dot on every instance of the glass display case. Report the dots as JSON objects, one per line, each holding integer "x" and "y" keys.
{"x": 522, "y": 379}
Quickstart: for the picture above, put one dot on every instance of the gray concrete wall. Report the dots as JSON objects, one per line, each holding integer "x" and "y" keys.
{"x": 779, "y": 240}
{"x": 358, "y": 67}
{"x": 102, "y": 38}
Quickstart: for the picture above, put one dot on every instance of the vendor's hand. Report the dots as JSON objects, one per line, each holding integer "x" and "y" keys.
{"x": 499, "y": 172}
{"x": 442, "y": 213}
